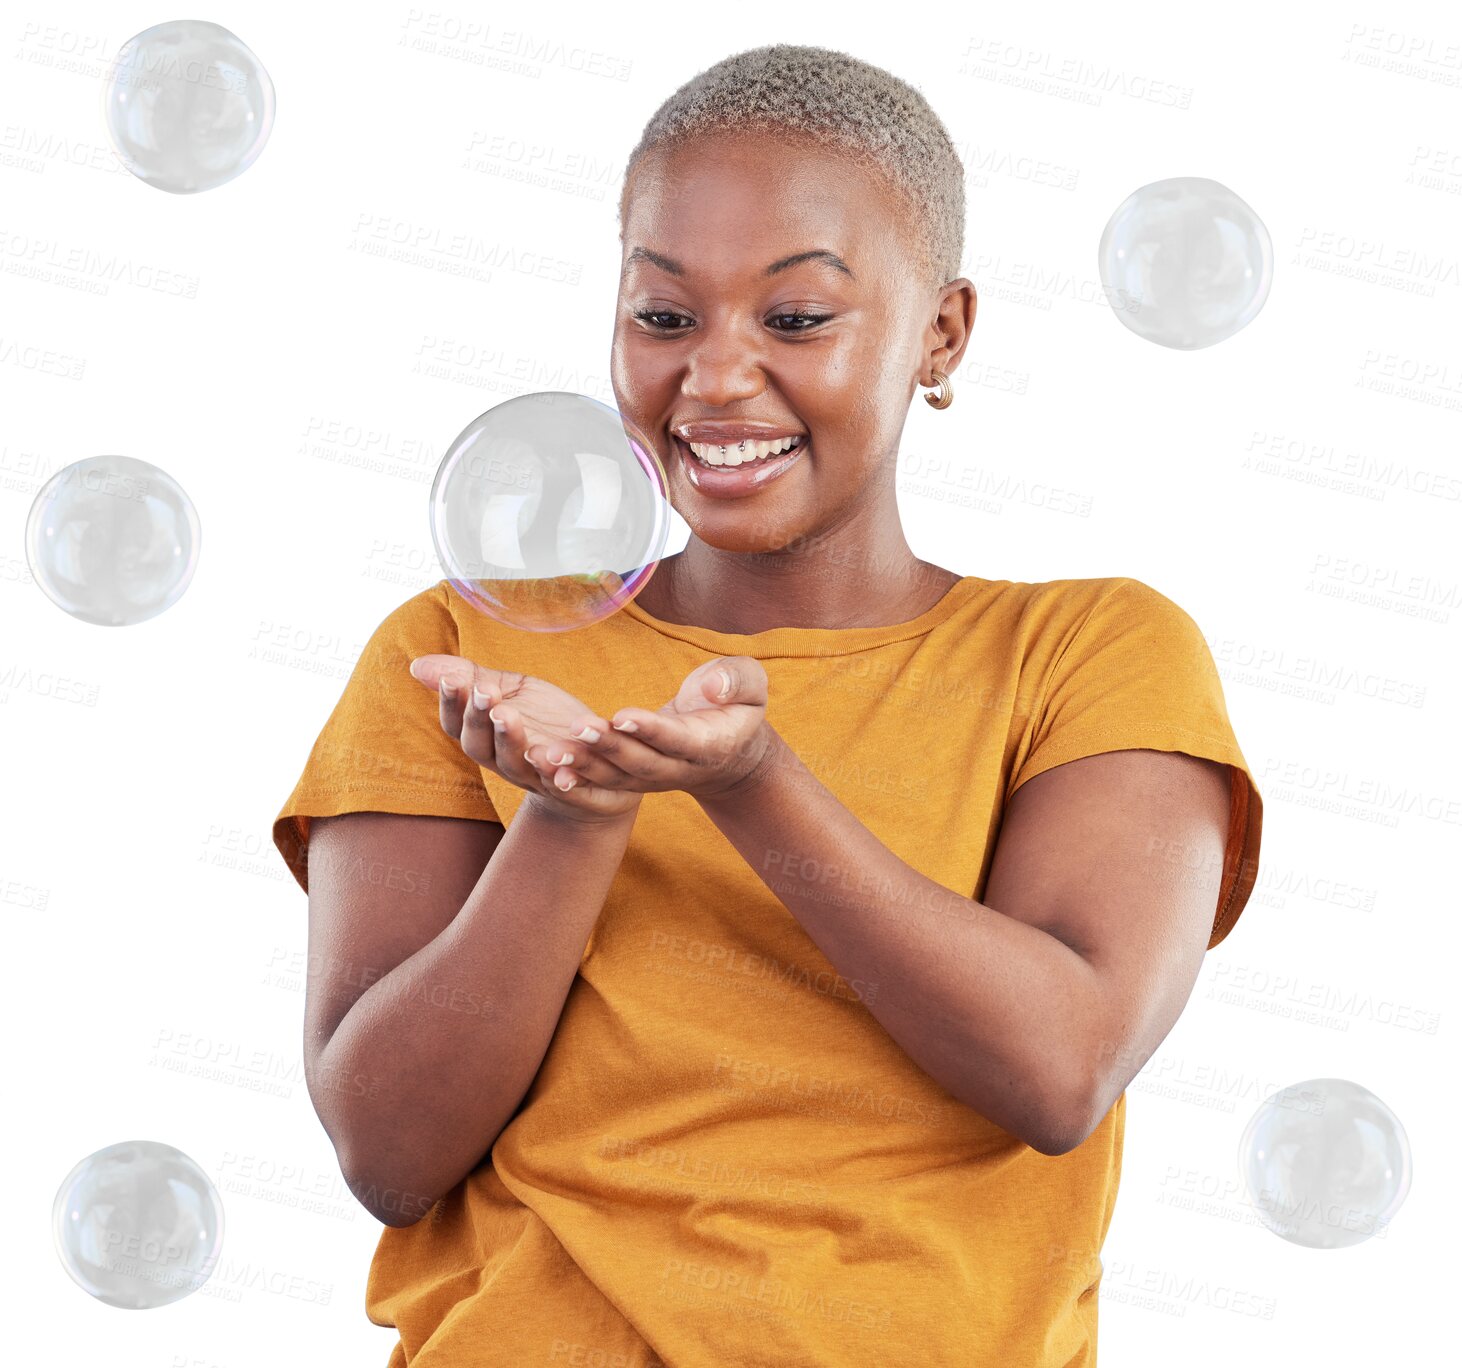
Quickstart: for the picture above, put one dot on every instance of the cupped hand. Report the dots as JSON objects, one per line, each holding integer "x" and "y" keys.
{"x": 708, "y": 741}
{"x": 524, "y": 729}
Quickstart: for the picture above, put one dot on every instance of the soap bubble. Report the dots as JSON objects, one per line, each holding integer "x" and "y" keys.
{"x": 187, "y": 105}
{"x": 1326, "y": 1162}
{"x": 112, "y": 540}
{"x": 138, "y": 1225}
{"x": 549, "y": 512}
{"x": 1185, "y": 262}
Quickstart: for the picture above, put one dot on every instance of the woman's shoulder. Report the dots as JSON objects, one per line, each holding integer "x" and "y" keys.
{"x": 1032, "y": 614}
{"x": 1084, "y": 595}
{"x": 1044, "y": 598}
{"x": 432, "y": 610}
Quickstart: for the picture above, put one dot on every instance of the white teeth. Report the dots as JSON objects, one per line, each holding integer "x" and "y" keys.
{"x": 739, "y": 453}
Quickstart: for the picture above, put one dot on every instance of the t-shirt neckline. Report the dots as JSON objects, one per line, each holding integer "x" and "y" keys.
{"x": 808, "y": 641}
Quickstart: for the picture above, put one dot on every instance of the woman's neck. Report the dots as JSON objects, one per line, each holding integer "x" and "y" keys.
{"x": 748, "y": 593}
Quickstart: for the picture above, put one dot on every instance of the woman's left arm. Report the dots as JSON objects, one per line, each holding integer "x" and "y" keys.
{"x": 1038, "y": 1006}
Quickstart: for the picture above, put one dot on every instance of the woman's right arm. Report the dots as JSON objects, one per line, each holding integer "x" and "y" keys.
{"x": 441, "y": 951}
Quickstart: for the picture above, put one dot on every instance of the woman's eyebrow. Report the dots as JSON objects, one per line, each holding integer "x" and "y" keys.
{"x": 821, "y": 254}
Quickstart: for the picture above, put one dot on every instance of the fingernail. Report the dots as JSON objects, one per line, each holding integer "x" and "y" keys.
{"x": 496, "y": 724}
{"x": 479, "y": 699}
{"x": 445, "y": 687}
{"x": 587, "y": 734}
{"x": 628, "y": 725}
{"x": 726, "y": 684}
{"x": 566, "y": 786}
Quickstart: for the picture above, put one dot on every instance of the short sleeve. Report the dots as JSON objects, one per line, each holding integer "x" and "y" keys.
{"x": 383, "y": 749}
{"x": 1138, "y": 675}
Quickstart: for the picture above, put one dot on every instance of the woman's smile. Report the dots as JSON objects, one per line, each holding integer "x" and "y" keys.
{"x": 736, "y": 481}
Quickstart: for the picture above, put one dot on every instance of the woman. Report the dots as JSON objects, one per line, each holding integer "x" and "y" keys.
{"x": 817, "y": 1057}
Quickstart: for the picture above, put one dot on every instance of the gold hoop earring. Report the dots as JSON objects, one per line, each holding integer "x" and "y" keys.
{"x": 946, "y": 395}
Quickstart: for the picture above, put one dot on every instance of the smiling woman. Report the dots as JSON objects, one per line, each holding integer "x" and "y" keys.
{"x": 791, "y": 224}
{"x": 788, "y": 1020}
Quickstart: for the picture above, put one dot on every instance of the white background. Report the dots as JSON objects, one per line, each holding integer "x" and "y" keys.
{"x": 1294, "y": 488}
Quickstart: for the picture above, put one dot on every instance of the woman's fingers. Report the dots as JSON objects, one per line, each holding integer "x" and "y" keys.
{"x": 467, "y": 705}
{"x": 564, "y": 764}
{"x": 509, "y": 745}
{"x": 468, "y": 697}
{"x": 533, "y": 747}
{"x": 586, "y": 757}
{"x": 559, "y": 763}
{"x": 476, "y": 711}
{"x": 451, "y": 696}
{"x": 431, "y": 669}
{"x": 479, "y": 740}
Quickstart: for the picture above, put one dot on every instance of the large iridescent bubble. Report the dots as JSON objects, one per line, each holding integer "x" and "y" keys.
{"x": 113, "y": 540}
{"x": 549, "y": 511}
{"x": 138, "y": 1224}
{"x": 1185, "y": 262}
{"x": 1326, "y": 1162}
{"x": 187, "y": 105}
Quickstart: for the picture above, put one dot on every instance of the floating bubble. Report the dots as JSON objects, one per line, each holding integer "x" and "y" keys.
{"x": 187, "y": 105}
{"x": 1327, "y": 1163}
{"x": 549, "y": 512}
{"x": 138, "y": 1225}
{"x": 112, "y": 540}
{"x": 1185, "y": 262}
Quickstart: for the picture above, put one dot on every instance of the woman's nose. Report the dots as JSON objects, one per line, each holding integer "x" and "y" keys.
{"x": 721, "y": 369}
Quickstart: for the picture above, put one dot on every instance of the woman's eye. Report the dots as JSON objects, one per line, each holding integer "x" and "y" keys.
{"x": 807, "y": 320}
{"x": 811, "y": 320}
{"x": 646, "y": 315}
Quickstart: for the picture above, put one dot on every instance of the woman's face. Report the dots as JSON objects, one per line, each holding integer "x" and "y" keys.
{"x": 715, "y": 326}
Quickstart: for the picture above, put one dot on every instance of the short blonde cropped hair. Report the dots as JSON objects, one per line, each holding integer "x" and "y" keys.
{"x": 830, "y": 99}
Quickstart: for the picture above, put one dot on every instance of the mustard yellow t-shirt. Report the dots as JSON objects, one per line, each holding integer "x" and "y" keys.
{"x": 725, "y": 1159}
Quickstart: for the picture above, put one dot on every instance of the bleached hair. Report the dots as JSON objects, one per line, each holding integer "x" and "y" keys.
{"x": 824, "y": 98}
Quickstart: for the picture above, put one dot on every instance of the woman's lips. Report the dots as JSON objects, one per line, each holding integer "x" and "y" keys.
{"x": 733, "y": 482}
